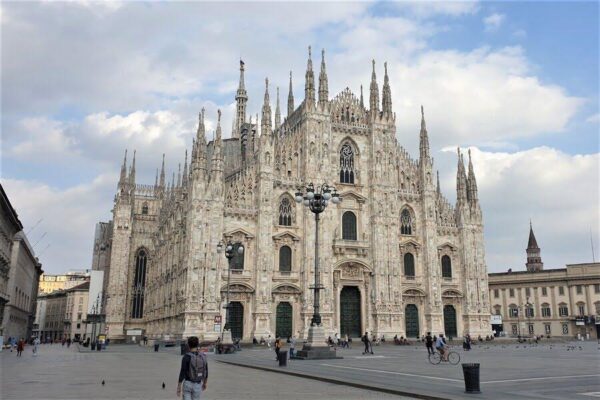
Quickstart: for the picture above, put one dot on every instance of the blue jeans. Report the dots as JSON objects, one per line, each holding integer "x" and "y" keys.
{"x": 191, "y": 390}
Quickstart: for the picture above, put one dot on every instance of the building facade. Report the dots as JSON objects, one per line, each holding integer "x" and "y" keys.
{"x": 557, "y": 302}
{"x": 76, "y": 311}
{"x": 396, "y": 257}
{"x": 50, "y": 321}
{"x": 19, "y": 275}
{"x": 51, "y": 283}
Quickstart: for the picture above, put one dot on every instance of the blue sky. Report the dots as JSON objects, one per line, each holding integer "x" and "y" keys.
{"x": 515, "y": 81}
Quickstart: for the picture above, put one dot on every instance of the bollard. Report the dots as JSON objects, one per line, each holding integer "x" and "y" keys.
{"x": 471, "y": 375}
{"x": 283, "y": 358}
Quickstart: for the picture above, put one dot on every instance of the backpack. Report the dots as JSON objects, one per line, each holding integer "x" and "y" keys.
{"x": 197, "y": 367}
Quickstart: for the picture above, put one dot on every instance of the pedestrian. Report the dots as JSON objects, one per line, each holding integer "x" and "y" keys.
{"x": 368, "y": 345}
{"x": 145, "y": 340}
{"x": 292, "y": 347}
{"x": 193, "y": 375}
{"x": 36, "y": 343}
{"x": 68, "y": 342}
{"x": 429, "y": 343}
{"x": 20, "y": 347}
{"x": 278, "y": 343}
{"x": 269, "y": 341}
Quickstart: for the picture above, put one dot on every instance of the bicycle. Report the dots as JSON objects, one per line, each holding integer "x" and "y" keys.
{"x": 436, "y": 357}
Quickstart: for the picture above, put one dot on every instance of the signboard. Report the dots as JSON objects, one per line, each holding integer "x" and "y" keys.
{"x": 134, "y": 332}
{"x": 217, "y": 319}
{"x": 102, "y": 338}
{"x": 217, "y": 328}
{"x": 579, "y": 322}
{"x": 496, "y": 319}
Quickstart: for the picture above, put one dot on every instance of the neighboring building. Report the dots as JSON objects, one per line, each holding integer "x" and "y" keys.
{"x": 19, "y": 275}
{"x": 396, "y": 257}
{"x": 96, "y": 305}
{"x": 51, "y": 283}
{"x": 556, "y": 302}
{"x": 51, "y": 323}
{"x": 76, "y": 311}
{"x": 101, "y": 253}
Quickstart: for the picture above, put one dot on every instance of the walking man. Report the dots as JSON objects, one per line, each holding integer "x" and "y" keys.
{"x": 292, "y": 347}
{"x": 20, "y": 347}
{"x": 277, "y": 348}
{"x": 429, "y": 343}
{"x": 193, "y": 375}
{"x": 368, "y": 345}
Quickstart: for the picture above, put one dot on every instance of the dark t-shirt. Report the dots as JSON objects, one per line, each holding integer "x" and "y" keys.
{"x": 185, "y": 368}
{"x": 429, "y": 340}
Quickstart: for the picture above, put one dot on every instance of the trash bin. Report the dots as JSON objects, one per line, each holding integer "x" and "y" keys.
{"x": 184, "y": 348}
{"x": 471, "y": 374}
{"x": 156, "y": 346}
{"x": 99, "y": 346}
{"x": 283, "y": 358}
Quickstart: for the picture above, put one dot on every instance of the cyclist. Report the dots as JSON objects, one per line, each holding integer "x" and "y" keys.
{"x": 440, "y": 345}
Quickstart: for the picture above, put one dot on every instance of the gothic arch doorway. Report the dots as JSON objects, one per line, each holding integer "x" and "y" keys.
{"x": 236, "y": 319}
{"x": 350, "y": 318}
{"x": 450, "y": 321}
{"x": 283, "y": 320}
{"x": 411, "y": 320}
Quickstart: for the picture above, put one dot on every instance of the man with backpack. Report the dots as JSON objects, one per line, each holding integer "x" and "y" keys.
{"x": 193, "y": 375}
{"x": 367, "y": 342}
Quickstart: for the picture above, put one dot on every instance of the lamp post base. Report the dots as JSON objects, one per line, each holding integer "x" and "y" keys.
{"x": 316, "y": 347}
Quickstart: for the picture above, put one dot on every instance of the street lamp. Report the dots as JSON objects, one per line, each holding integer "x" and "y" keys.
{"x": 230, "y": 250}
{"x": 317, "y": 199}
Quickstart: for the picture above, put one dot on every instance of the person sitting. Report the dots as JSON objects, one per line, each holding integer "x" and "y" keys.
{"x": 262, "y": 340}
{"x": 254, "y": 341}
{"x": 396, "y": 341}
{"x": 382, "y": 338}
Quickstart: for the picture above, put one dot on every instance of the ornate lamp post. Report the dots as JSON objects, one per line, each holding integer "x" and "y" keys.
{"x": 230, "y": 250}
{"x": 317, "y": 199}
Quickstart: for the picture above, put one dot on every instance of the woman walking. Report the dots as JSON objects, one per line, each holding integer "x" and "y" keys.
{"x": 20, "y": 347}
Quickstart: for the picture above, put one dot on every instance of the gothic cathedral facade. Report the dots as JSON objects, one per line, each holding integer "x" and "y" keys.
{"x": 396, "y": 257}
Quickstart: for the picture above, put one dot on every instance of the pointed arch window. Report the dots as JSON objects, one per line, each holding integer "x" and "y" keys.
{"x": 347, "y": 164}
{"x": 409, "y": 265}
{"x": 237, "y": 262}
{"x": 285, "y": 259}
{"x": 139, "y": 283}
{"x": 349, "y": 231}
{"x": 446, "y": 267}
{"x": 285, "y": 212}
{"x": 145, "y": 208}
{"x": 406, "y": 222}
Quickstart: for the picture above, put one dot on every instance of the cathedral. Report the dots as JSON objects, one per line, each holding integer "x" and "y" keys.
{"x": 396, "y": 258}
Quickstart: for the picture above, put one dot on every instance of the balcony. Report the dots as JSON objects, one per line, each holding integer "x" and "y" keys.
{"x": 358, "y": 248}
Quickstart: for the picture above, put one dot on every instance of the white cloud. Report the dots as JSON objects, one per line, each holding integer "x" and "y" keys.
{"x": 593, "y": 119}
{"x": 68, "y": 216}
{"x": 558, "y": 191}
{"x": 425, "y": 8}
{"x": 493, "y": 22}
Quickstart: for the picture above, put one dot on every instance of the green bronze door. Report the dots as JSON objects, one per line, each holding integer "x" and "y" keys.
{"x": 236, "y": 320}
{"x": 350, "y": 311}
{"x": 283, "y": 323}
{"x": 450, "y": 321}
{"x": 411, "y": 319}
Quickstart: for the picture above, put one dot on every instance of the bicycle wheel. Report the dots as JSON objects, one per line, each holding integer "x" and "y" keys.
{"x": 435, "y": 358}
{"x": 453, "y": 358}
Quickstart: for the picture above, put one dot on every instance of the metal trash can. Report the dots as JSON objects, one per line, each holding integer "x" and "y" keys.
{"x": 471, "y": 375}
{"x": 283, "y": 358}
{"x": 184, "y": 348}
{"x": 99, "y": 346}
{"x": 93, "y": 346}
{"x": 156, "y": 346}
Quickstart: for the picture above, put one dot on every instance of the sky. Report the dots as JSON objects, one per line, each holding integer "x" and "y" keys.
{"x": 515, "y": 82}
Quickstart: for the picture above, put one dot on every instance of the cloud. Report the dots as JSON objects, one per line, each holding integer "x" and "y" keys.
{"x": 68, "y": 216}
{"x": 557, "y": 191}
{"x": 493, "y": 22}
{"x": 593, "y": 119}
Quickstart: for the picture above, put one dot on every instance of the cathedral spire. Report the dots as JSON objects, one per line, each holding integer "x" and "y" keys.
{"x": 423, "y": 138}
{"x": 438, "y": 190}
{"x": 179, "y": 176}
{"x": 162, "y": 173}
{"x": 184, "y": 180}
{"x": 123, "y": 170}
{"x": 156, "y": 179}
{"x": 266, "y": 111}
{"x": 387, "y": 93}
{"x": 277, "y": 112}
{"x": 471, "y": 182}
{"x": 362, "y": 102}
{"x": 309, "y": 85}
{"x": 241, "y": 99}
{"x": 461, "y": 181}
{"x": 132, "y": 171}
{"x": 219, "y": 133}
{"x": 290, "y": 108}
{"x": 534, "y": 257}
{"x": 323, "y": 85}
{"x": 374, "y": 92}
